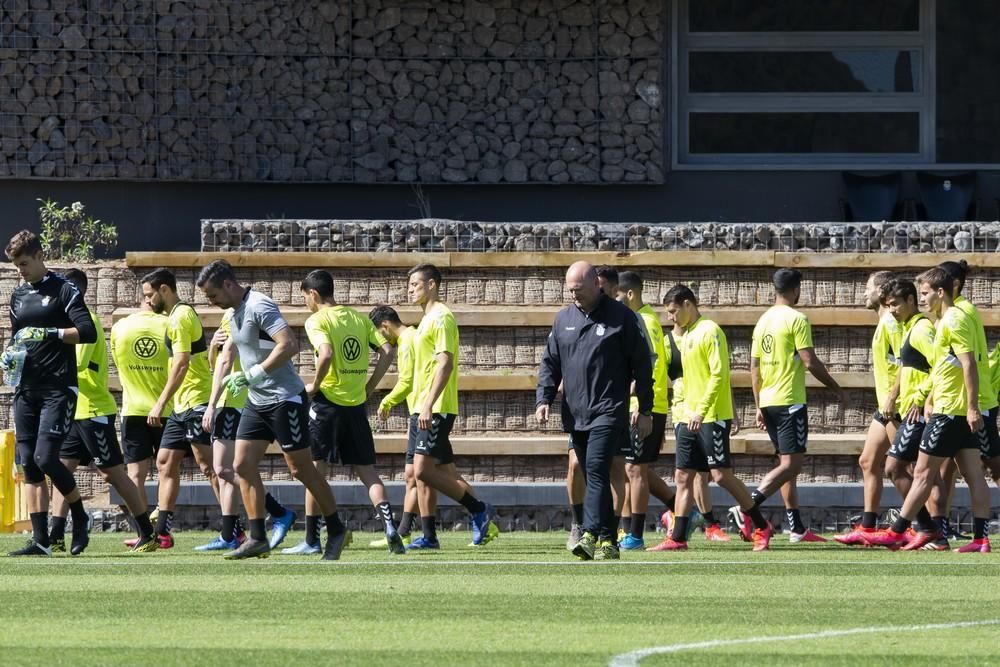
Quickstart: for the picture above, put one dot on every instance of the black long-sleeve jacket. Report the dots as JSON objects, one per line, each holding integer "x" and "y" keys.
{"x": 51, "y": 302}
{"x": 596, "y": 357}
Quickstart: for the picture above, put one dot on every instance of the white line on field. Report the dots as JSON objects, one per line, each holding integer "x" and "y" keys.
{"x": 632, "y": 658}
{"x": 424, "y": 562}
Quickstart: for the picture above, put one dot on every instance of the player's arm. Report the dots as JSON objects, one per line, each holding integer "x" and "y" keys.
{"x": 549, "y": 376}
{"x": 442, "y": 374}
{"x": 755, "y": 387}
{"x": 178, "y": 369}
{"x": 404, "y": 383}
{"x": 83, "y": 329}
{"x": 818, "y": 369}
{"x": 970, "y": 374}
{"x": 385, "y": 354}
{"x": 324, "y": 359}
{"x": 638, "y": 354}
{"x": 224, "y": 360}
{"x": 268, "y": 319}
{"x": 713, "y": 357}
{"x": 890, "y": 401}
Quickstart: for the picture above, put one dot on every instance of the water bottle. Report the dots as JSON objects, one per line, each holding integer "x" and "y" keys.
{"x": 13, "y": 364}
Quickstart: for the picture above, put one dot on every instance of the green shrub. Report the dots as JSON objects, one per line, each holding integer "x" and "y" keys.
{"x": 69, "y": 234}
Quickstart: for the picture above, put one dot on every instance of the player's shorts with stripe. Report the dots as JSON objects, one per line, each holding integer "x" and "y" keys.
{"x": 227, "y": 423}
{"x": 140, "y": 441}
{"x": 788, "y": 428}
{"x": 41, "y": 412}
{"x": 648, "y": 450}
{"x": 435, "y": 441}
{"x": 184, "y": 429}
{"x": 704, "y": 449}
{"x": 945, "y": 435}
{"x": 883, "y": 419}
{"x": 989, "y": 439}
{"x": 411, "y": 438}
{"x": 340, "y": 433}
{"x": 93, "y": 440}
{"x": 285, "y": 421}
{"x": 906, "y": 445}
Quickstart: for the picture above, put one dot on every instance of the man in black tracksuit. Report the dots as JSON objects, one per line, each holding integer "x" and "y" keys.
{"x": 47, "y": 316}
{"x": 597, "y": 350}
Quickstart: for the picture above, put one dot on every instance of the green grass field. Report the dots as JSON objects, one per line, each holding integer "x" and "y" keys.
{"x": 522, "y": 600}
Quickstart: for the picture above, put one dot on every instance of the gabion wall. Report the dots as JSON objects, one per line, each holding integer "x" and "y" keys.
{"x": 355, "y": 91}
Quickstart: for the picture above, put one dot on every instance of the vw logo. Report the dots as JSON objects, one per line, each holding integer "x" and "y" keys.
{"x": 145, "y": 347}
{"x": 352, "y": 349}
{"x": 767, "y": 343}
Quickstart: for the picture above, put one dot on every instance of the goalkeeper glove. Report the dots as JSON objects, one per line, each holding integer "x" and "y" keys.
{"x": 36, "y": 334}
{"x": 240, "y": 380}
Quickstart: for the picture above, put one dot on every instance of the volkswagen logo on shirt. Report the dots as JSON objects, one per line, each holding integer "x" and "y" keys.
{"x": 145, "y": 347}
{"x": 767, "y": 343}
{"x": 351, "y": 348}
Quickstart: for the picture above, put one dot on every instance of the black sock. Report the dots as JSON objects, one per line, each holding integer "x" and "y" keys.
{"x": 228, "y": 527}
{"x": 578, "y": 514}
{"x": 670, "y": 503}
{"x": 869, "y": 520}
{"x": 163, "y": 522}
{"x": 430, "y": 529}
{"x": 944, "y": 525}
{"x": 405, "y": 524}
{"x": 474, "y": 506}
{"x": 638, "y": 525}
{"x": 679, "y": 533}
{"x": 758, "y": 498}
{"x": 621, "y": 523}
{"x": 385, "y": 513}
{"x": 312, "y": 530}
{"x": 925, "y": 520}
{"x": 143, "y": 526}
{"x": 79, "y": 513}
{"x": 58, "y": 530}
{"x": 40, "y": 527}
{"x": 980, "y": 527}
{"x": 709, "y": 518}
{"x": 900, "y": 525}
{"x": 795, "y": 521}
{"x": 758, "y": 518}
{"x": 257, "y": 531}
{"x": 238, "y": 527}
{"x": 273, "y": 507}
{"x": 334, "y": 526}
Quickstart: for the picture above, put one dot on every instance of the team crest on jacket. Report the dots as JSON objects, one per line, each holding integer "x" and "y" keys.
{"x": 600, "y": 329}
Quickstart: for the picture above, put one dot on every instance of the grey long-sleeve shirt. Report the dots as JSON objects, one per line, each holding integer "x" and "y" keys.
{"x": 596, "y": 357}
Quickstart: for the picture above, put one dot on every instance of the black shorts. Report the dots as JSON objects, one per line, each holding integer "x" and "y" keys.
{"x": 435, "y": 441}
{"x": 139, "y": 440}
{"x": 946, "y": 434}
{"x": 885, "y": 419}
{"x": 411, "y": 438}
{"x": 989, "y": 439}
{"x": 706, "y": 449}
{"x": 227, "y": 422}
{"x": 41, "y": 413}
{"x": 648, "y": 450}
{"x": 287, "y": 422}
{"x": 788, "y": 429}
{"x": 340, "y": 433}
{"x": 91, "y": 440}
{"x": 184, "y": 429}
{"x": 624, "y": 447}
{"x": 906, "y": 444}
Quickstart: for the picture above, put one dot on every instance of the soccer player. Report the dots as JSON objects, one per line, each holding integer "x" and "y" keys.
{"x": 596, "y": 350}
{"x": 48, "y": 317}
{"x": 387, "y": 323}
{"x": 276, "y": 407}
{"x": 93, "y": 438}
{"x": 637, "y": 463}
{"x": 781, "y": 352}
{"x": 139, "y": 353}
{"x": 189, "y": 383}
{"x": 885, "y": 364}
{"x": 435, "y": 384}
{"x": 338, "y": 420}
{"x": 954, "y": 422}
{"x": 703, "y": 442}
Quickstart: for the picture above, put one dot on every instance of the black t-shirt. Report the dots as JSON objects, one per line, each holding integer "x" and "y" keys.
{"x": 51, "y": 302}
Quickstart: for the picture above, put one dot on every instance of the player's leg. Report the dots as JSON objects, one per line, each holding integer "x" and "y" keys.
{"x": 689, "y": 460}
{"x": 595, "y": 449}
{"x": 872, "y": 462}
{"x": 60, "y": 508}
{"x": 27, "y": 413}
{"x": 970, "y": 463}
{"x": 575, "y": 489}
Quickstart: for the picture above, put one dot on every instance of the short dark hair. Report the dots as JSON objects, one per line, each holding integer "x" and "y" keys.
{"x": 215, "y": 273}
{"x": 428, "y": 271}
{"x": 318, "y": 280}
{"x": 23, "y": 243}
{"x": 158, "y": 277}
{"x": 678, "y": 294}
{"x": 78, "y": 278}
{"x": 938, "y": 278}
{"x": 609, "y": 273}
{"x": 957, "y": 270}
{"x": 382, "y": 314}
{"x": 629, "y": 280}
{"x": 899, "y": 288}
{"x": 785, "y": 280}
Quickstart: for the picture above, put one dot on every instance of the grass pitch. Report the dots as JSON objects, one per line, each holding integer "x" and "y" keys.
{"x": 522, "y": 600}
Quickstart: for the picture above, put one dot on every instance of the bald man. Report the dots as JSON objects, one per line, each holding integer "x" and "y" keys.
{"x": 596, "y": 349}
